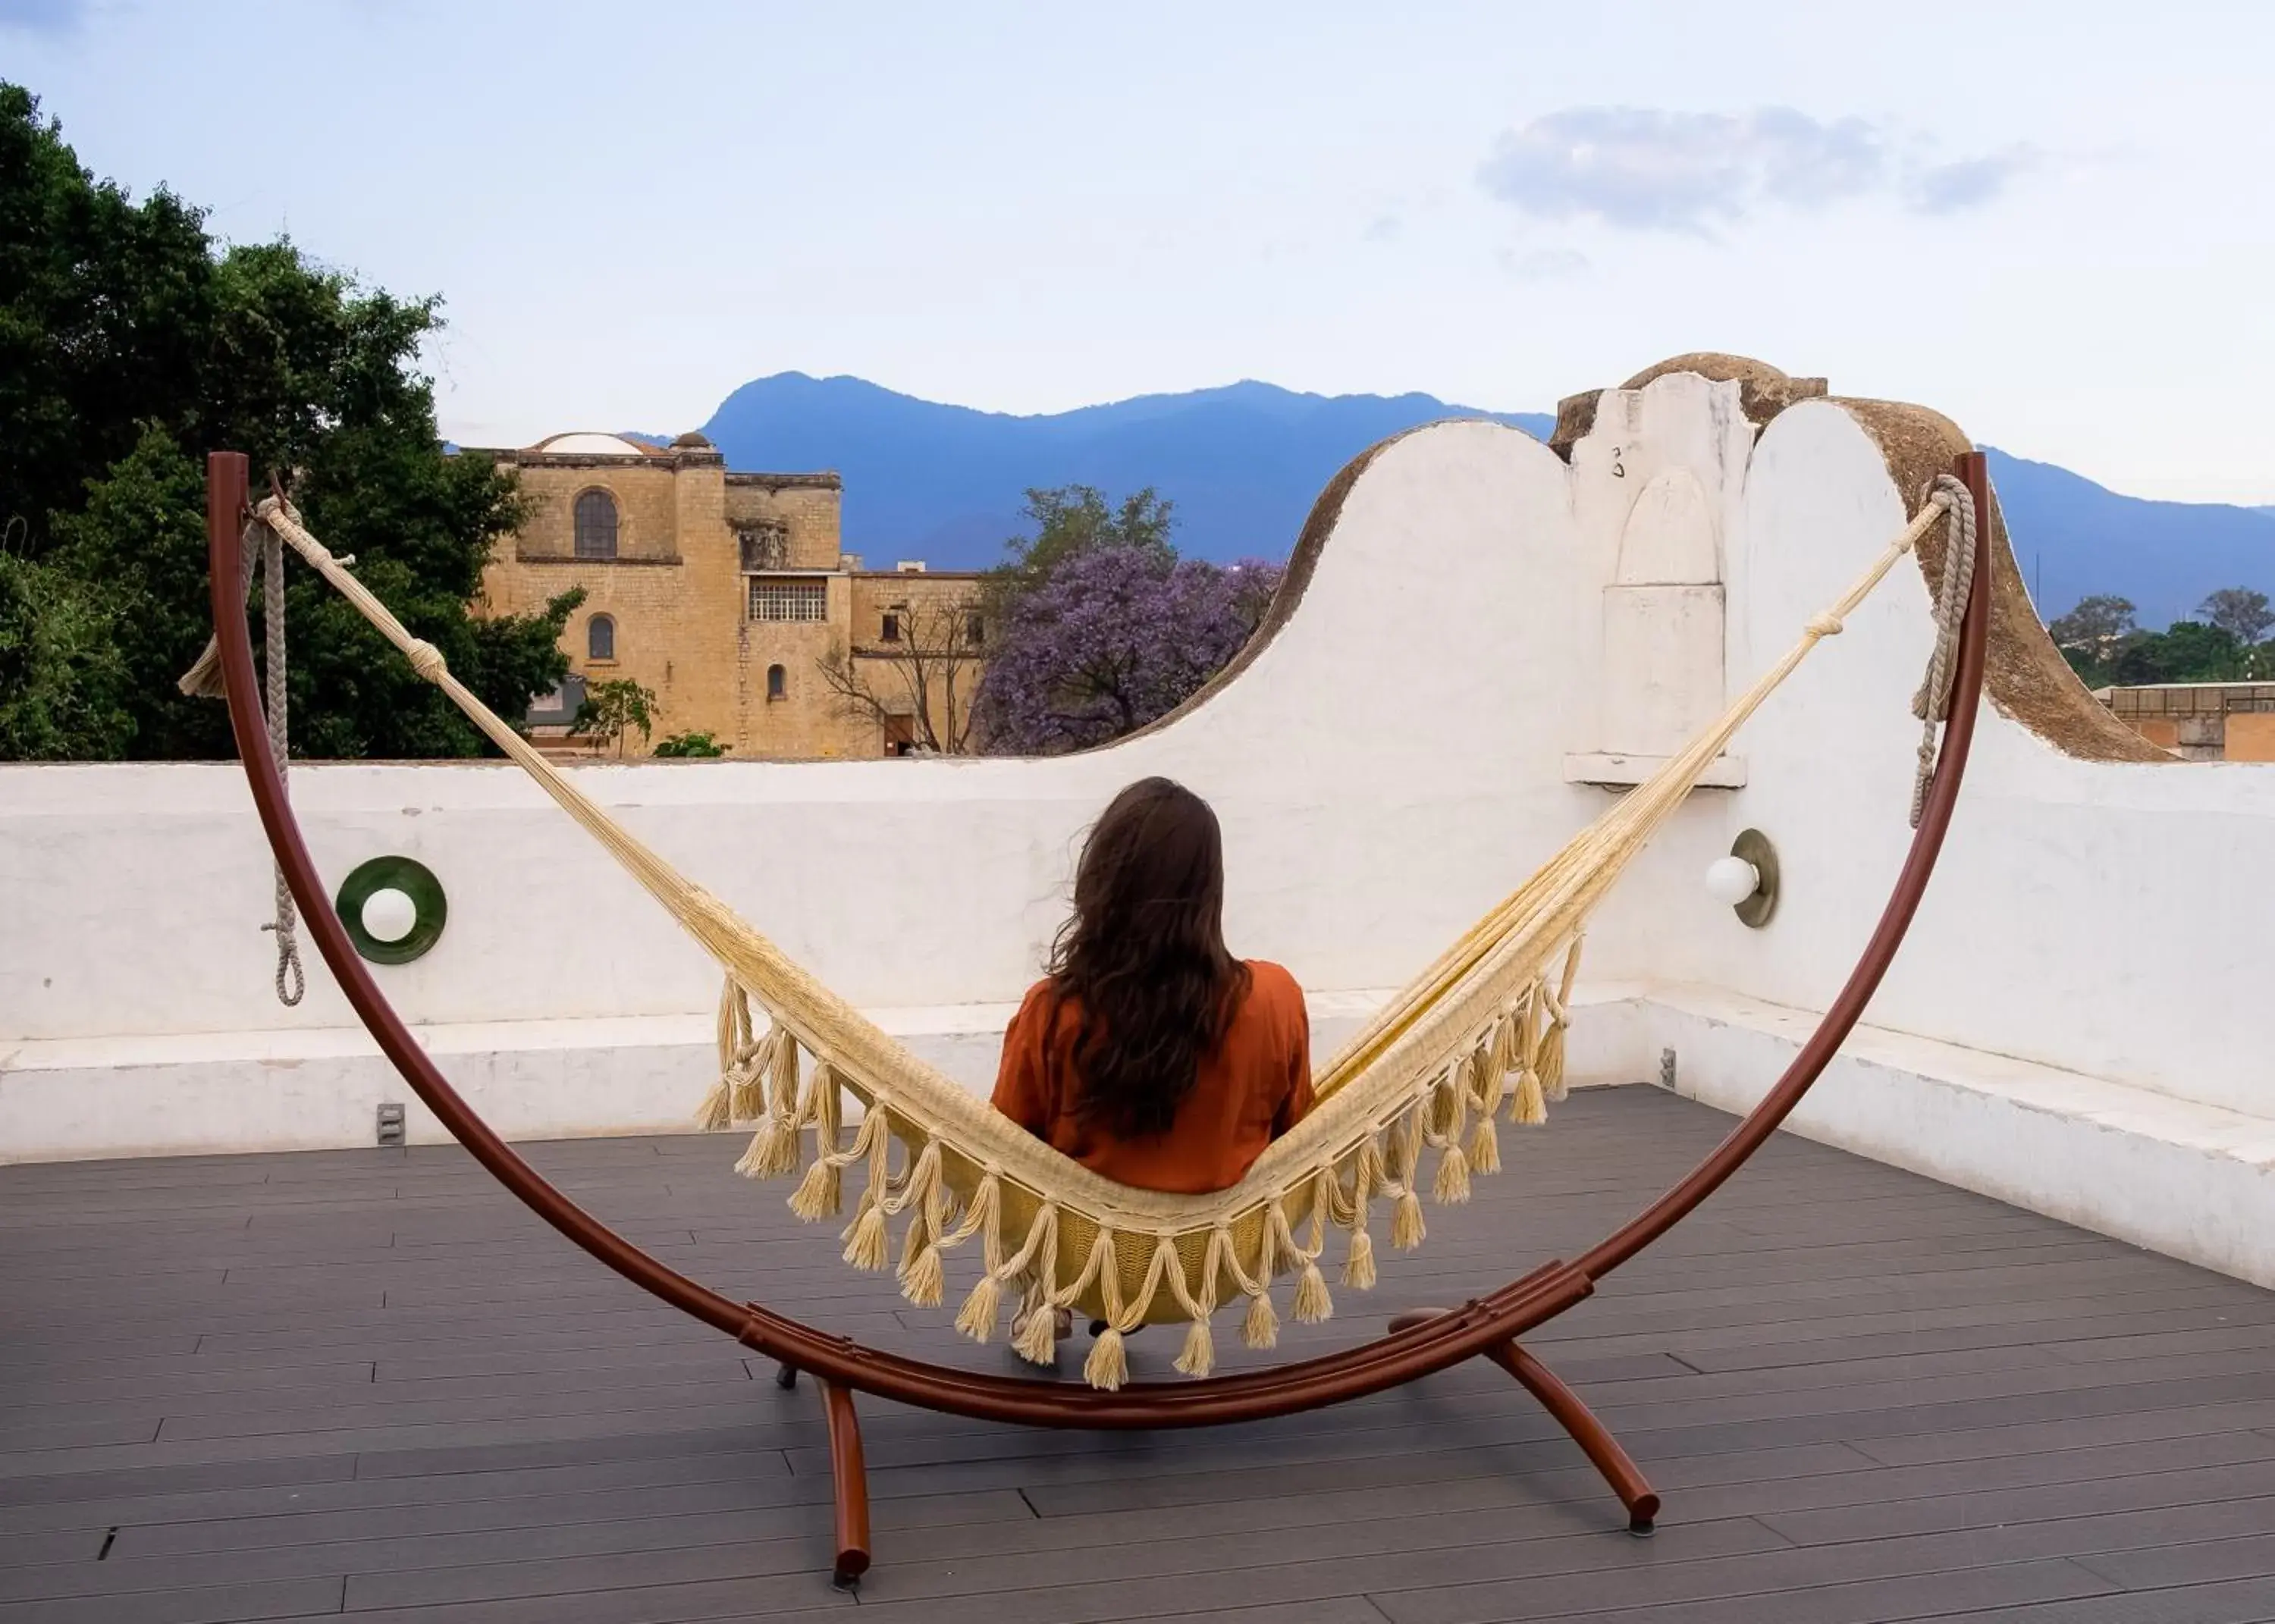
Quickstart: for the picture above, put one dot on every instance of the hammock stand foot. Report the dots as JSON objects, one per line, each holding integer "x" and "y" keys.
{"x": 849, "y": 1478}
{"x": 1567, "y": 1410}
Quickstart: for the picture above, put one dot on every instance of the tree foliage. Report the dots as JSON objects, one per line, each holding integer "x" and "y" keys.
{"x": 62, "y": 678}
{"x": 1075, "y": 519}
{"x": 689, "y": 744}
{"x": 1097, "y": 627}
{"x": 129, "y": 344}
{"x": 1112, "y": 639}
{"x": 2094, "y": 627}
{"x": 2229, "y": 643}
{"x": 610, "y": 710}
{"x": 2243, "y": 614}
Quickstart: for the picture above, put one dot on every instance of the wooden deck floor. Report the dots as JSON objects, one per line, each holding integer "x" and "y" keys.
{"x": 286, "y": 1387}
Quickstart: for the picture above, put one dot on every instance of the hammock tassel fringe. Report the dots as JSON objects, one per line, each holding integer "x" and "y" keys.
{"x": 977, "y": 1318}
{"x": 1037, "y": 1338}
{"x": 1107, "y": 1367}
{"x": 1260, "y": 1329}
{"x": 796, "y": 1107}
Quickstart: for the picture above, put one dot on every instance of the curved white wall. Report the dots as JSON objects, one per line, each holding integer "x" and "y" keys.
{"x": 1389, "y": 764}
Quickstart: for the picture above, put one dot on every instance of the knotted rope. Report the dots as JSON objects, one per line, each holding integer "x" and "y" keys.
{"x": 203, "y": 680}
{"x": 1932, "y": 703}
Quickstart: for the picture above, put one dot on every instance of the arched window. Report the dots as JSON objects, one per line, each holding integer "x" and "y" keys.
{"x": 777, "y": 682}
{"x": 600, "y": 638}
{"x": 596, "y": 526}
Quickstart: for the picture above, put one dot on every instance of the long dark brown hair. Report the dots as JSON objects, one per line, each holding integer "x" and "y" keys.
{"x": 1143, "y": 960}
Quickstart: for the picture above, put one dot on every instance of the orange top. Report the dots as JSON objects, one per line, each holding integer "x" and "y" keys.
{"x": 1254, "y": 1088}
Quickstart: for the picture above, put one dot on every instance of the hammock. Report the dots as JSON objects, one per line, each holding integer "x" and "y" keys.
{"x": 1481, "y": 1029}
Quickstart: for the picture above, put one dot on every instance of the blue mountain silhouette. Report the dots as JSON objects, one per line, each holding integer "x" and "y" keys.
{"x": 1243, "y": 462}
{"x": 2075, "y": 539}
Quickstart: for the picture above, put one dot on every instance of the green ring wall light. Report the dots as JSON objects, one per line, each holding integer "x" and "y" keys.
{"x": 393, "y": 908}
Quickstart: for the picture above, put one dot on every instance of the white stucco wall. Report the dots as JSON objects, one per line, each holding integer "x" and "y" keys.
{"x": 1387, "y": 765}
{"x": 2101, "y": 917}
{"x": 1391, "y": 762}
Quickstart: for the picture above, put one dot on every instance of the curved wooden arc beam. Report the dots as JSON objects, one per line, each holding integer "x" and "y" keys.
{"x": 1485, "y": 1324}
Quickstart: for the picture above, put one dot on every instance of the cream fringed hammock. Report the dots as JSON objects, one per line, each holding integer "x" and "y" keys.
{"x": 1481, "y": 1028}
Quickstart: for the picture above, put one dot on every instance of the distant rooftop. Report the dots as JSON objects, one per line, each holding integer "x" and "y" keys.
{"x": 591, "y": 448}
{"x": 583, "y": 444}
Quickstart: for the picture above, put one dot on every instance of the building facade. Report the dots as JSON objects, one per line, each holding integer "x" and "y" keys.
{"x": 2200, "y": 721}
{"x": 729, "y": 598}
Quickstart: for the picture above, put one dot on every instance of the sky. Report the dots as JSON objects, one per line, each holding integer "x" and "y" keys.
{"x": 2051, "y": 221}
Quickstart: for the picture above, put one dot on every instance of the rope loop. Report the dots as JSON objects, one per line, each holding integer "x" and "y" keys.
{"x": 1932, "y": 703}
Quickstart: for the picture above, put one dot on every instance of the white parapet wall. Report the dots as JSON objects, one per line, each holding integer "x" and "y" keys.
{"x": 1412, "y": 738}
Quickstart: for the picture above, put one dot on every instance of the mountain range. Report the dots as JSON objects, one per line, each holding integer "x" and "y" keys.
{"x": 1243, "y": 462}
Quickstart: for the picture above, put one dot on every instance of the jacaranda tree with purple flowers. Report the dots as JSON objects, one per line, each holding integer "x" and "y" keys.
{"x": 1109, "y": 639}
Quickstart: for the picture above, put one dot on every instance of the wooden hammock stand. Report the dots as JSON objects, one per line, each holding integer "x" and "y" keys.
{"x": 1417, "y": 1345}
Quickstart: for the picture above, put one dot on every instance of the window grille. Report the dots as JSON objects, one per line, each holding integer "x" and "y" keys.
{"x": 777, "y": 599}
{"x": 596, "y": 526}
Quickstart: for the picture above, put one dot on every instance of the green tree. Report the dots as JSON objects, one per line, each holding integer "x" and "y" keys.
{"x": 129, "y": 345}
{"x": 2243, "y": 614}
{"x": 105, "y": 316}
{"x": 61, "y": 674}
{"x": 2094, "y": 626}
{"x": 1073, "y": 519}
{"x": 2188, "y": 651}
{"x": 690, "y": 745}
{"x": 609, "y": 710}
{"x": 140, "y": 543}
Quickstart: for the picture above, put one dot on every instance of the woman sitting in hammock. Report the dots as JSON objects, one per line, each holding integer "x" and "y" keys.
{"x": 1149, "y": 1053}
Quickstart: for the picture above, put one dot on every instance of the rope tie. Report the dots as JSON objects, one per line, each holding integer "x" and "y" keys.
{"x": 292, "y": 980}
{"x": 1825, "y": 625}
{"x": 427, "y": 660}
{"x": 1932, "y": 703}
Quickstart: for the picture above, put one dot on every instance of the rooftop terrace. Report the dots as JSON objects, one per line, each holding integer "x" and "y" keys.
{"x": 285, "y": 1386}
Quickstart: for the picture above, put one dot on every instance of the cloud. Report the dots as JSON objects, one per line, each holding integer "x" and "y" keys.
{"x": 1647, "y": 169}
{"x": 55, "y": 17}
{"x": 1545, "y": 264}
{"x": 1947, "y": 188}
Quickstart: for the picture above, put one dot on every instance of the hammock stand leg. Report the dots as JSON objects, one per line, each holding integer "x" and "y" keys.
{"x": 849, "y": 1474}
{"x": 1568, "y": 1411}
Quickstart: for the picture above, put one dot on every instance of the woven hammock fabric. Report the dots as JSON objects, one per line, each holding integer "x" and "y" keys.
{"x": 1481, "y": 1030}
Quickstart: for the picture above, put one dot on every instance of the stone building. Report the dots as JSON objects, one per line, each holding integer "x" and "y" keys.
{"x": 729, "y": 597}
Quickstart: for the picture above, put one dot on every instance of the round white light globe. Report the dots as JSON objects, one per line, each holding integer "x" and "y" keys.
{"x": 1732, "y": 879}
{"x": 388, "y": 915}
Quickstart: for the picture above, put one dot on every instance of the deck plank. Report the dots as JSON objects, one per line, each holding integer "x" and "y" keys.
{"x": 366, "y": 1383}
